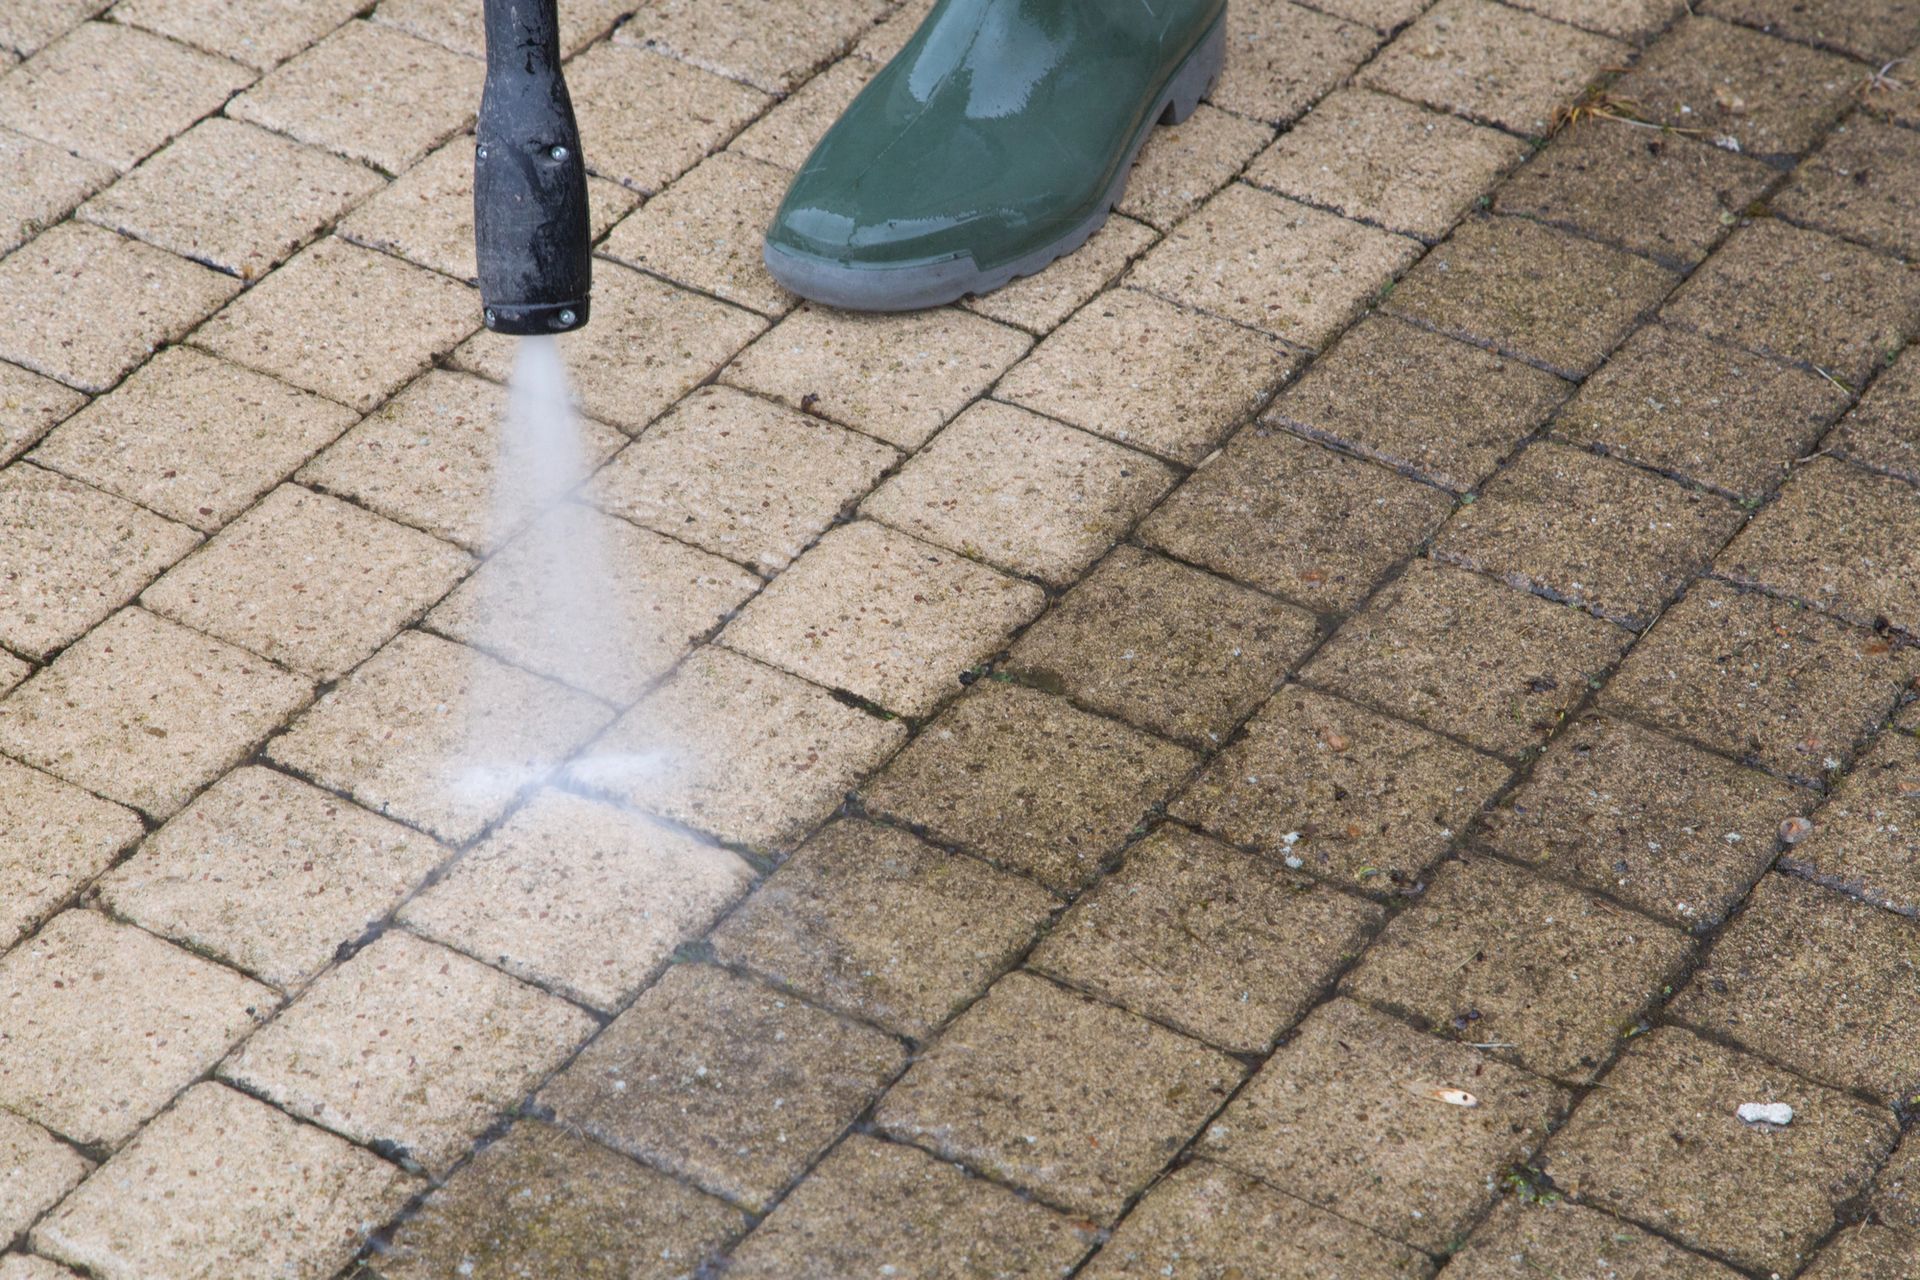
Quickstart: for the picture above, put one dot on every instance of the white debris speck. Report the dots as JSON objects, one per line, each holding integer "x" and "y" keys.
{"x": 1290, "y": 839}
{"x": 1294, "y": 861}
{"x": 1766, "y": 1113}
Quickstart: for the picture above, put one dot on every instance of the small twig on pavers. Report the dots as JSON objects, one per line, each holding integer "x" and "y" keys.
{"x": 1598, "y": 104}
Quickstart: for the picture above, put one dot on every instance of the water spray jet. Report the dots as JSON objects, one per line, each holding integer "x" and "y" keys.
{"x": 530, "y": 225}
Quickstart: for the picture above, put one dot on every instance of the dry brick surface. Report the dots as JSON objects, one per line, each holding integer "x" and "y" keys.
{"x": 1340, "y": 731}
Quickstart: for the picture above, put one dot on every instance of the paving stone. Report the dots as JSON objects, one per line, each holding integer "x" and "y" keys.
{"x": 723, "y": 1082}
{"x": 1030, "y": 782}
{"x": 39, "y": 185}
{"x": 1896, "y": 1192}
{"x": 787, "y": 134}
{"x": 750, "y": 480}
{"x": 1481, "y": 60}
{"x": 1884, "y": 428}
{"x": 1140, "y": 370}
{"x": 1866, "y": 841}
{"x": 1663, "y": 826}
{"x": 1275, "y": 264}
{"x": 12, "y": 671}
{"x": 437, "y": 734}
{"x": 1369, "y": 156}
{"x": 1493, "y": 955}
{"x": 72, "y": 555}
{"x": 1419, "y": 401}
{"x": 39, "y": 1172}
{"x": 540, "y": 1202}
{"x": 769, "y": 47}
{"x": 112, "y": 94}
{"x": 1463, "y": 655}
{"x": 410, "y": 1044}
{"x": 1666, "y": 195}
{"x": 1818, "y": 981}
{"x": 1155, "y": 643}
{"x": 891, "y": 33}
{"x": 891, "y": 1209}
{"x": 871, "y": 922}
{"x": 53, "y": 839}
{"x": 1532, "y": 291}
{"x": 29, "y": 406}
{"x": 1556, "y": 1237}
{"x": 23, "y": 1266}
{"x": 370, "y": 93}
{"x": 84, "y": 305}
{"x": 194, "y": 438}
{"x": 1874, "y": 31}
{"x": 706, "y": 231}
{"x": 1207, "y": 939}
{"x": 1039, "y": 302}
{"x": 222, "y": 1185}
{"x": 659, "y": 597}
{"x": 685, "y": 337}
{"x": 899, "y": 377}
{"x": 232, "y": 196}
{"x": 459, "y": 26}
{"x": 745, "y": 752}
{"x": 1773, "y": 98}
{"x": 146, "y": 712}
{"x": 1867, "y": 1252}
{"x": 1857, "y": 186}
{"x": 1661, "y": 1145}
{"x": 1802, "y": 296}
{"x": 258, "y": 33}
{"x": 1289, "y": 516}
{"x": 1761, "y": 679}
{"x": 430, "y": 457}
{"x": 1632, "y": 20}
{"x": 1078, "y": 1102}
{"x": 579, "y": 897}
{"x": 1346, "y": 793}
{"x": 1839, "y": 537}
{"x": 1711, "y": 413}
{"x": 105, "y": 1023}
{"x": 1282, "y": 58}
{"x": 25, "y": 28}
{"x": 1343, "y": 1116}
{"x": 1214, "y": 1221}
{"x": 346, "y": 322}
{"x": 309, "y": 581}
{"x": 884, "y": 616}
{"x": 270, "y": 875}
{"x": 426, "y": 214}
{"x": 1179, "y": 166}
{"x": 647, "y": 118}
{"x": 1021, "y": 492}
{"x": 1384, "y": 16}
{"x": 1594, "y": 532}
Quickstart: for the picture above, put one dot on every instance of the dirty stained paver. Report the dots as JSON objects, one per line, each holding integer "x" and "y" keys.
{"x": 1342, "y": 732}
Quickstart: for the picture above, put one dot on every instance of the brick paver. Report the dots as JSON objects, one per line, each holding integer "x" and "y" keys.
{"x": 1341, "y": 731}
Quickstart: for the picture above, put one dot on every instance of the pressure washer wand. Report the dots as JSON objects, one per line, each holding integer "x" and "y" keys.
{"x": 529, "y": 182}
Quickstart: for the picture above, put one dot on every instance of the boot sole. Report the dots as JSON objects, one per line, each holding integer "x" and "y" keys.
{"x": 932, "y": 284}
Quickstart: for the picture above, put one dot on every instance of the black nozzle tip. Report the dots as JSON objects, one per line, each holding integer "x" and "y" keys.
{"x": 544, "y": 317}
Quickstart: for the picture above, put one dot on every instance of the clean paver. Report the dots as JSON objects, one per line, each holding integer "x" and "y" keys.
{"x": 1552, "y": 1236}
{"x": 579, "y": 897}
{"x": 870, "y": 921}
{"x": 1344, "y": 792}
{"x": 1078, "y": 1102}
{"x": 705, "y": 232}
{"x": 40, "y": 1170}
{"x": 411, "y": 1045}
{"x": 884, "y": 616}
{"x": 1282, "y": 57}
{"x": 269, "y": 874}
{"x": 29, "y": 406}
{"x": 1876, "y": 30}
{"x": 259, "y": 33}
{"x": 723, "y": 1082}
{"x": 1030, "y": 782}
{"x": 775, "y": 51}
{"x": 1867, "y": 1252}
{"x": 146, "y": 712}
{"x": 651, "y": 118}
{"x": 54, "y": 838}
{"x": 1353, "y": 1115}
{"x": 1181, "y": 166}
{"x": 1662, "y": 1145}
{"x": 106, "y": 1023}
{"x": 741, "y": 750}
{"x": 224, "y": 1185}
{"x": 462, "y": 28}
{"x": 40, "y": 184}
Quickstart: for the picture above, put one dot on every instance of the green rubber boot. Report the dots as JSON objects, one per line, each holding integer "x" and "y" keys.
{"x": 997, "y": 140}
